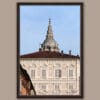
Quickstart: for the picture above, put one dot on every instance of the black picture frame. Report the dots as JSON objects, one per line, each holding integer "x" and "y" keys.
{"x": 81, "y": 4}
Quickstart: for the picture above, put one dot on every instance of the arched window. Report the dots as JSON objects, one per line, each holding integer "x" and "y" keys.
{"x": 58, "y": 73}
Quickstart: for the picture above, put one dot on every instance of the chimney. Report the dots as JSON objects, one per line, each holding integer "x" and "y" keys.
{"x": 77, "y": 55}
{"x": 70, "y": 52}
{"x": 40, "y": 49}
{"x": 62, "y": 52}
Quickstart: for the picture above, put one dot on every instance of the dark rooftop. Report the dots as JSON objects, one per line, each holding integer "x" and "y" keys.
{"x": 48, "y": 54}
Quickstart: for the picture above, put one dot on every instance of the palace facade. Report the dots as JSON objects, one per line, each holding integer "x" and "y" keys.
{"x": 51, "y": 71}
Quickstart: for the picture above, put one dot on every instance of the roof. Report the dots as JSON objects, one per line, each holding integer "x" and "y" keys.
{"x": 48, "y": 54}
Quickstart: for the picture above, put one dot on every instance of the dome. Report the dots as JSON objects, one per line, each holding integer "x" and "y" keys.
{"x": 49, "y": 43}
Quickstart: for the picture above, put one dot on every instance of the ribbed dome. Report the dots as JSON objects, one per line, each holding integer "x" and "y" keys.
{"x": 49, "y": 43}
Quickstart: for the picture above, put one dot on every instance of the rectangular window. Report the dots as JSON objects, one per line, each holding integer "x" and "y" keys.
{"x": 71, "y": 86}
{"x": 43, "y": 74}
{"x": 43, "y": 88}
{"x": 32, "y": 73}
{"x": 58, "y": 73}
{"x": 70, "y": 73}
{"x": 56, "y": 87}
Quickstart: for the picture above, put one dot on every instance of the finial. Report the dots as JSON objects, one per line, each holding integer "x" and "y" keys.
{"x": 62, "y": 52}
{"x": 70, "y": 52}
{"x": 49, "y": 20}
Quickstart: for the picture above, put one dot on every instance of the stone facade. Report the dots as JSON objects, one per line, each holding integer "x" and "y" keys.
{"x": 53, "y": 76}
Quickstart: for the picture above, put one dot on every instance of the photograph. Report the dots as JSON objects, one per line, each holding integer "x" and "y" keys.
{"x": 49, "y": 50}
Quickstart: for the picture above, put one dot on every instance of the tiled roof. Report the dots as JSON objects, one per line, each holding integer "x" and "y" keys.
{"x": 48, "y": 54}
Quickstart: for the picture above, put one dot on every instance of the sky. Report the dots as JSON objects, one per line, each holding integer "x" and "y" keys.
{"x": 65, "y": 21}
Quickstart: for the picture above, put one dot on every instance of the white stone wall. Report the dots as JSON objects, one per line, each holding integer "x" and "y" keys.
{"x": 50, "y": 85}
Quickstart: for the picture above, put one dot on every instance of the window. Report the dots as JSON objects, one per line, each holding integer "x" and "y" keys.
{"x": 43, "y": 87}
{"x": 57, "y": 87}
{"x": 58, "y": 73}
{"x": 70, "y": 73}
{"x": 71, "y": 86}
{"x": 43, "y": 74}
{"x": 32, "y": 73}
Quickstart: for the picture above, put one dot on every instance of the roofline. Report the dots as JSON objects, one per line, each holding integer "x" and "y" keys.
{"x": 68, "y": 56}
{"x": 49, "y": 58}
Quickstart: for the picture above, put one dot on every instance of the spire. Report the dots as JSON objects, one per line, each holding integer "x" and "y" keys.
{"x": 49, "y": 21}
{"x": 49, "y": 31}
{"x": 49, "y": 43}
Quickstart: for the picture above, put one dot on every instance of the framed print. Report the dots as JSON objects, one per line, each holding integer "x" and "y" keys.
{"x": 49, "y": 50}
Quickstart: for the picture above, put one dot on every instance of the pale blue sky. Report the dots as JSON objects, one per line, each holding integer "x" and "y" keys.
{"x": 65, "y": 22}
